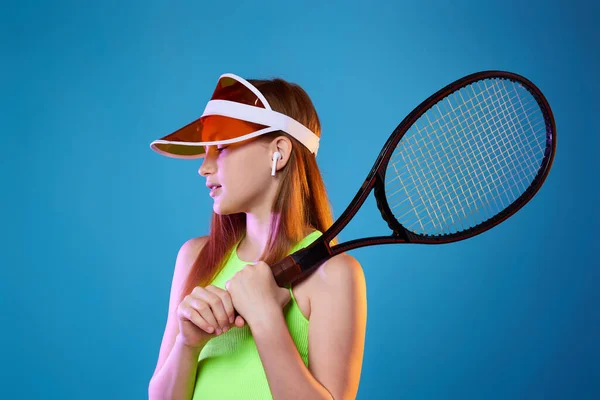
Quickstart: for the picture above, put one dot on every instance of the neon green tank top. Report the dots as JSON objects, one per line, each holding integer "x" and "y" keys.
{"x": 229, "y": 366}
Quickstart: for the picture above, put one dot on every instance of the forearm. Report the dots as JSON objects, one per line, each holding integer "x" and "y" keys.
{"x": 177, "y": 376}
{"x": 288, "y": 376}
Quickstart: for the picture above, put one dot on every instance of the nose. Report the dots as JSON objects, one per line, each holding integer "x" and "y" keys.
{"x": 208, "y": 166}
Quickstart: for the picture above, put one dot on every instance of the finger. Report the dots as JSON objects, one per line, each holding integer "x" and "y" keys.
{"x": 239, "y": 321}
{"x": 227, "y": 303}
{"x": 204, "y": 309}
{"x": 192, "y": 315}
{"x": 218, "y": 307}
{"x": 216, "y": 304}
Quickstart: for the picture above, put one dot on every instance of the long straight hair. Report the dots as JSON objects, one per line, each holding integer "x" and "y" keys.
{"x": 301, "y": 201}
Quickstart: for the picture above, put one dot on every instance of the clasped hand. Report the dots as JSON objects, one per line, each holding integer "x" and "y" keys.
{"x": 255, "y": 293}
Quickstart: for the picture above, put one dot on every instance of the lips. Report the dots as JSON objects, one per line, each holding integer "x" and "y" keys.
{"x": 214, "y": 189}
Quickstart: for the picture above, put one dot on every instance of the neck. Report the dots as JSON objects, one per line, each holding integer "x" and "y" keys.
{"x": 258, "y": 230}
{"x": 258, "y": 226}
{"x": 257, "y": 235}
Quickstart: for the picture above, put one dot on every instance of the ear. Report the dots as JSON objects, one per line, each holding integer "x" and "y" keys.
{"x": 283, "y": 145}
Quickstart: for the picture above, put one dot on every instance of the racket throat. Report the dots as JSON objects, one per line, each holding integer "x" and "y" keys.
{"x": 301, "y": 263}
{"x": 312, "y": 256}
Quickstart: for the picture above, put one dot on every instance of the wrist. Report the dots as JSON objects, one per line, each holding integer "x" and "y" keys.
{"x": 265, "y": 320}
{"x": 180, "y": 340}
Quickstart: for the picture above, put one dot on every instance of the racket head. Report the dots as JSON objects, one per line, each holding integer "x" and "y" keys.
{"x": 495, "y": 125}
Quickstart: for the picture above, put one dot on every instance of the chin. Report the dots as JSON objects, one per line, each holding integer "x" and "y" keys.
{"x": 223, "y": 209}
{"x": 217, "y": 210}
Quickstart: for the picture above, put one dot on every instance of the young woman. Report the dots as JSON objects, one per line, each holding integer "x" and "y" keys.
{"x": 259, "y": 140}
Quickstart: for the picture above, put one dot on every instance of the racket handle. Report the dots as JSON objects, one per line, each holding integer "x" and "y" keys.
{"x": 286, "y": 271}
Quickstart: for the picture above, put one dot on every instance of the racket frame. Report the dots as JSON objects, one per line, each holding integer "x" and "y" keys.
{"x": 306, "y": 260}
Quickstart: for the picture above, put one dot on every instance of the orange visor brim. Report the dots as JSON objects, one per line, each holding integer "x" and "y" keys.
{"x": 211, "y": 129}
{"x": 189, "y": 141}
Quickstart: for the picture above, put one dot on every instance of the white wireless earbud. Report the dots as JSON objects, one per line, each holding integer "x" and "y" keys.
{"x": 276, "y": 156}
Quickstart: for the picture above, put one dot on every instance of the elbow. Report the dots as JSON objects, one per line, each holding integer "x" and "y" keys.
{"x": 153, "y": 392}
{"x": 160, "y": 392}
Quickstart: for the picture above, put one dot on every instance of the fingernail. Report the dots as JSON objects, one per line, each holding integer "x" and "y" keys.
{"x": 225, "y": 329}
{"x": 218, "y": 331}
{"x": 231, "y": 320}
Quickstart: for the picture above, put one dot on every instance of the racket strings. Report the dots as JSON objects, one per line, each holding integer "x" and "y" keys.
{"x": 472, "y": 197}
{"x": 518, "y": 150}
{"x": 464, "y": 158}
{"x": 501, "y": 168}
{"x": 496, "y": 161}
{"x": 467, "y": 158}
{"x": 429, "y": 138}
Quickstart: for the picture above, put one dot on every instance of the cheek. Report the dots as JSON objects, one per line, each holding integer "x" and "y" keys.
{"x": 243, "y": 183}
{"x": 249, "y": 183}
{"x": 242, "y": 173}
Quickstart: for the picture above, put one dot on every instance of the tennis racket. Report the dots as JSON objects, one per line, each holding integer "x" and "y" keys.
{"x": 464, "y": 160}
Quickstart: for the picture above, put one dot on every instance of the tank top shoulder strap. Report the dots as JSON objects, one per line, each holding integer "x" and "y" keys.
{"x": 306, "y": 241}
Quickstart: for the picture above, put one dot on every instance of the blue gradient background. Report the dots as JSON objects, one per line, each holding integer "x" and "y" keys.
{"x": 93, "y": 218}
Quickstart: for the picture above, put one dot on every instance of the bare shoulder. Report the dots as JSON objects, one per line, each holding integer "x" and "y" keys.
{"x": 190, "y": 249}
{"x": 188, "y": 252}
{"x": 339, "y": 270}
{"x": 341, "y": 275}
